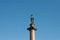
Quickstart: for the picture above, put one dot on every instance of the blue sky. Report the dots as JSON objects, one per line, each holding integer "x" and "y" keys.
{"x": 15, "y": 19}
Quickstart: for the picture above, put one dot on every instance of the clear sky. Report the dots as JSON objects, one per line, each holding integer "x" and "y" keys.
{"x": 15, "y": 19}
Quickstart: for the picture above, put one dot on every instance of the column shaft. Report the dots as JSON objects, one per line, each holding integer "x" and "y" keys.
{"x": 32, "y": 34}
